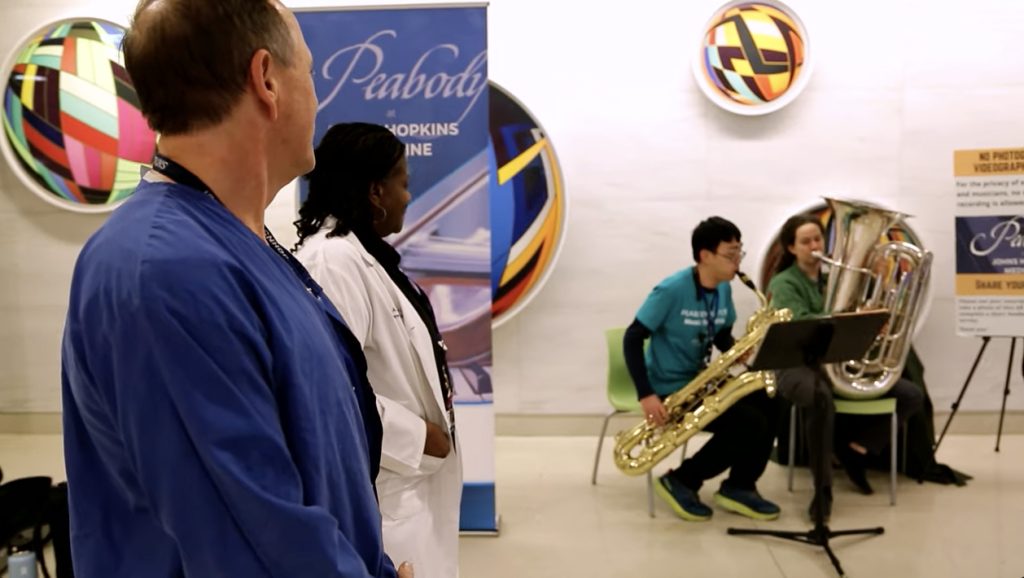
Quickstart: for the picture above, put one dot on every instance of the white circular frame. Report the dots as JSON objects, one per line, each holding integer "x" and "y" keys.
{"x": 15, "y": 162}
{"x": 732, "y": 106}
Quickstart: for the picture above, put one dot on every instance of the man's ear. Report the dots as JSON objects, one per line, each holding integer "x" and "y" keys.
{"x": 703, "y": 255}
{"x": 263, "y": 80}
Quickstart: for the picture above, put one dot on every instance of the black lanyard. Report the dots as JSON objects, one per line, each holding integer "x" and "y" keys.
{"x": 365, "y": 397}
{"x": 712, "y": 311}
{"x": 389, "y": 260}
{"x": 183, "y": 176}
{"x": 179, "y": 174}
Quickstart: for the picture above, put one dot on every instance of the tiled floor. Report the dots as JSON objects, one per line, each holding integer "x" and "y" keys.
{"x": 555, "y": 524}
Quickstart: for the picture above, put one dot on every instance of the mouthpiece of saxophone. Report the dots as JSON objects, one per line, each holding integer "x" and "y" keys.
{"x": 746, "y": 280}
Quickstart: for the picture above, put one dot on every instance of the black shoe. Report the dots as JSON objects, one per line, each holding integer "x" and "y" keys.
{"x": 855, "y": 465}
{"x": 826, "y": 501}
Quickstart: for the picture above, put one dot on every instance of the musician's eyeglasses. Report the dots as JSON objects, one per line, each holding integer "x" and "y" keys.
{"x": 733, "y": 256}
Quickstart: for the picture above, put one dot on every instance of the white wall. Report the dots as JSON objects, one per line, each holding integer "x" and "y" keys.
{"x": 896, "y": 88}
{"x": 39, "y": 246}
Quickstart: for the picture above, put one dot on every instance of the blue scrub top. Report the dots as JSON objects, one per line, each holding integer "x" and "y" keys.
{"x": 217, "y": 418}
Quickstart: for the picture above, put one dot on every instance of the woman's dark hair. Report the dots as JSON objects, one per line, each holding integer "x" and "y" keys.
{"x": 788, "y": 236}
{"x": 350, "y": 158}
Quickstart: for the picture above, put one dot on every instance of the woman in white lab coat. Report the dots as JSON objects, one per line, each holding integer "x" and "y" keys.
{"x": 358, "y": 193}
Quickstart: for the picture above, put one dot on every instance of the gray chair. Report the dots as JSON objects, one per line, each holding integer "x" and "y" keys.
{"x": 881, "y": 406}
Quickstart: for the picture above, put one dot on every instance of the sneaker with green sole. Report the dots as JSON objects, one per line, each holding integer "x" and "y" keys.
{"x": 748, "y": 503}
{"x": 683, "y": 501}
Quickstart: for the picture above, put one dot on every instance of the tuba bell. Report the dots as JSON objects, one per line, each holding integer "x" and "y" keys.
{"x": 713, "y": 391}
{"x": 865, "y": 275}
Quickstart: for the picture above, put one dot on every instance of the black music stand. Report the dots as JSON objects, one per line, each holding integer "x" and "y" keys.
{"x": 810, "y": 343}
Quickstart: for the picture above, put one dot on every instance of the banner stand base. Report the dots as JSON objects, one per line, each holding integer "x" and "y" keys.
{"x": 484, "y": 533}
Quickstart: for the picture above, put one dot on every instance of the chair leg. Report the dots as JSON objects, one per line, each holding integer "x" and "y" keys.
{"x": 42, "y": 564}
{"x": 893, "y": 429}
{"x": 792, "y": 444}
{"x": 600, "y": 442}
{"x": 40, "y": 546}
{"x": 904, "y": 453}
{"x": 650, "y": 494}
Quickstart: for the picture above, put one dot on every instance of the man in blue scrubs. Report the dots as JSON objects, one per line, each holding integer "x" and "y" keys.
{"x": 217, "y": 419}
{"x": 683, "y": 317}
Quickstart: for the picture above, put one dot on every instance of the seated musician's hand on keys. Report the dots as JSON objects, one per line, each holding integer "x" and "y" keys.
{"x": 654, "y": 410}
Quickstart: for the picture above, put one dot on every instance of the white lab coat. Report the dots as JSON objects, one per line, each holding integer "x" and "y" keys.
{"x": 419, "y": 495}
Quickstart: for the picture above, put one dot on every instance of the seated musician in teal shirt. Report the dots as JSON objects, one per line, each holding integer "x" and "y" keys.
{"x": 683, "y": 317}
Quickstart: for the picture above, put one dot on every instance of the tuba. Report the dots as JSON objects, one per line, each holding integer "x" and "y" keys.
{"x": 866, "y": 274}
{"x": 713, "y": 391}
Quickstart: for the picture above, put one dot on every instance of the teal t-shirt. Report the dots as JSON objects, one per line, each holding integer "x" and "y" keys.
{"x": 678, "y": 316}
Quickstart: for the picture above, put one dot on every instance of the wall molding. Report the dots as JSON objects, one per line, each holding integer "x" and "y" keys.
{"x": 30, "y": 423}
{"x": 966, "y": 423}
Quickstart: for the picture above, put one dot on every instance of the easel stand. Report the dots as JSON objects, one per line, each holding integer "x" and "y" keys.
{"x": 811, "y": 343}
{"x": 1006, "y": 389}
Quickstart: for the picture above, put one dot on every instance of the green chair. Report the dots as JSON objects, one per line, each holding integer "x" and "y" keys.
{"x": 622, "y": 397}
{"x": 881, "y": 406}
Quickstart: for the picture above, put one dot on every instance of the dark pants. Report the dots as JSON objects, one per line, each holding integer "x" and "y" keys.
{"x": 742, "y": 442}
{"x": 811, "y": 391}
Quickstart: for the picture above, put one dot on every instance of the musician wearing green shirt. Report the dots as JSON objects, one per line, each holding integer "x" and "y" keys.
{"x": 798, "y": 285}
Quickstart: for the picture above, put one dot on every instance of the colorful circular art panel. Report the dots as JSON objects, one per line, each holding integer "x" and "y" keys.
{"x": 73, "y": 129}
{"x": 753, "y": 57}
{"x": 528, "y": 205}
